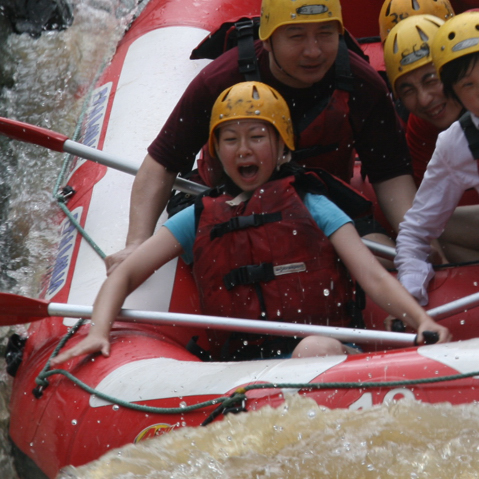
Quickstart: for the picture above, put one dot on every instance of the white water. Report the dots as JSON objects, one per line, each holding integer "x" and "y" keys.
{"x": 406, "y": 440}
{"x": 44, "y": 81}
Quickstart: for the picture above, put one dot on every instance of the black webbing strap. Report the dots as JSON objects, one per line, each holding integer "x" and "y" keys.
{"x": 471, "y": 133}
{"x": 253, "y": 273}
{"x": 242, "y": 222}
{"x": 344, "y": 78}
{"x": 247, "y": 61}
{"x": 302, "y": 154}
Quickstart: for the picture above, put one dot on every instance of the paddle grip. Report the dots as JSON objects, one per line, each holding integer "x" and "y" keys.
{"x": 18, "y": 130}
{"x": 430, "y": 337}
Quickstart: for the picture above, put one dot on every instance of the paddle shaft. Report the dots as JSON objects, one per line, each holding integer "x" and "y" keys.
{"x": 360, "y": 336}
{"x": 52, "y": 140}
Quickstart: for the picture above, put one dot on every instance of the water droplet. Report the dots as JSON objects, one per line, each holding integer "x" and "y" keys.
{"x": 116, "y": 407}
{"x": 326, "y": 292}
{"x": 183, "y": 404}
{"x": 295, "y": 232}
{"x": 74, "y": 422}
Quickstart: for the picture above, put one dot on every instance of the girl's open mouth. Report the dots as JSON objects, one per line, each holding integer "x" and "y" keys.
{"x": 248, "y": 171}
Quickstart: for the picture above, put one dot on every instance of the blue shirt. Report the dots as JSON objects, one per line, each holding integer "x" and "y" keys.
{"x": 327, "y": 215}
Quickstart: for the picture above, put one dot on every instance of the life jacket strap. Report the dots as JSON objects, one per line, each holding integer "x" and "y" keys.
{"x": 250, "y": 274}
{"x": 471, "y": 133}
{"x": 247, "y": 61}
{"x": 242, "y": 222}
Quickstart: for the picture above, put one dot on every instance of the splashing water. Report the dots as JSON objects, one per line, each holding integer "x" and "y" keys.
{"x": 42, "y": 82}
{"x": 301, "y": 440}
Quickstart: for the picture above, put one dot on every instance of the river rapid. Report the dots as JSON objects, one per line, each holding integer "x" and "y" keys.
{"x": 44, "y": 81}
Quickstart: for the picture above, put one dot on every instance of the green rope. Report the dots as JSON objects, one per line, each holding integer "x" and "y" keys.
{"x": 240, "y": 395}
{"x": 80, "y": 229}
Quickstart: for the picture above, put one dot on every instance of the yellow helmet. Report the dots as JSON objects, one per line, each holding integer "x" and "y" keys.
{"x": 275, "y": 13}
{"x": 456, "y": 38}
{"x": 394, "y": 11}
{"x": 408, "y": 46}
{"x": 252, "y": 100}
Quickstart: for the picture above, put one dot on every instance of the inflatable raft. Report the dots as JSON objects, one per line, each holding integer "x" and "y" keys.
{"x": 151, "y": 384}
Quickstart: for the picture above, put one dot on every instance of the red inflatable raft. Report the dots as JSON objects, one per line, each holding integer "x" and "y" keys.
{"x": 64, "y": 422}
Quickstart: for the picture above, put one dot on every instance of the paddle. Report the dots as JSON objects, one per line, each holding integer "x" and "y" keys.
{"x": 18, "y": 130}
{"x": 21, "y": 131}
{"x": 16, "y": 309}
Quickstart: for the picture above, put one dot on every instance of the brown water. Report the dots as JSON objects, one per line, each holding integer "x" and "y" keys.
{"x": 302, "y": 440}
{"x": 43, "y": 78}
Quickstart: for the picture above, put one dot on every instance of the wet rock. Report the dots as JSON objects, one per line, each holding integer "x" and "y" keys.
{"x": 35, "y": 16}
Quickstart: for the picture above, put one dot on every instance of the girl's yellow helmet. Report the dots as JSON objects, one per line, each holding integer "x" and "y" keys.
{"x": 456, "y": 38}
{"x": 252, "y": 100}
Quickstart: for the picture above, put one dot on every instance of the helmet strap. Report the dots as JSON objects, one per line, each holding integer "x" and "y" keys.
{"x": 276, "y": 60}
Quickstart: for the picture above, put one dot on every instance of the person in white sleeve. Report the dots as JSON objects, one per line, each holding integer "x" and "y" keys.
{"x": 454, "y": 164}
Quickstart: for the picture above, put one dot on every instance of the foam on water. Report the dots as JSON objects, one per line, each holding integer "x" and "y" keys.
{"x": 407, "y": 439}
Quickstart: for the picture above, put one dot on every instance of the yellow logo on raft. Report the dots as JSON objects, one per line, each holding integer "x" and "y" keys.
{"x": 154, "y": 430}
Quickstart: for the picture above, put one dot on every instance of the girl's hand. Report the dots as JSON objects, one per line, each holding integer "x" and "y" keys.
{"x": 430, "y": 325}
{"x": 91, "y": 344}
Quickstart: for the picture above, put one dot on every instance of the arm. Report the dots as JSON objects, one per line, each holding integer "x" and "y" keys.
{"x": 395, "y": 197}
{"x": 383, "y": 288}
{"x": 434, "y": 204}
{"x": 130, "y": 274}
{"x": 149, "y": 196}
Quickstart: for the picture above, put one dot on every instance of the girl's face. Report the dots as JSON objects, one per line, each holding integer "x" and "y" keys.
{"x": 467, "y": 89}
{"x": 249, "y": 150}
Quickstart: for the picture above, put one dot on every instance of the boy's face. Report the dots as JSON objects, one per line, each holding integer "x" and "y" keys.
{"x": 422, "y": 94}
{"x": 249, "y": 151}
{"x": 467, "y": 89}
{"x": 301, "y": 54}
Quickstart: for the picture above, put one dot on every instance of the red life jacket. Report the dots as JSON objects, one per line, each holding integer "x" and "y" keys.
{"x": 268, "y": 259}
{"x": 328, "y": 141}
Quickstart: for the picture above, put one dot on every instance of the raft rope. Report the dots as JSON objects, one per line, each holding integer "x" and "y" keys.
{"x": 235, "y": 402}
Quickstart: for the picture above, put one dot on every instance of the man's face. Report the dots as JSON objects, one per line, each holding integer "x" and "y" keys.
{"x": 421, "y": 92}
{"x": 302, "y": 53}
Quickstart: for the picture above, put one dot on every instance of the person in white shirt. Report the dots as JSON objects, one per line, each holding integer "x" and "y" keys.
{"x": 453, "y": 167}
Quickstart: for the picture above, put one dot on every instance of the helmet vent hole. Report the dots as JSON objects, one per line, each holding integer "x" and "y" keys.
{"x": 395, "y": 47}
{"x": 422, "y": 34}
{"x": 415, "y": 5}
{"x": 451, "y": 36}
{"x": 388, "y": 10}
{"x": 255, "y": 93}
